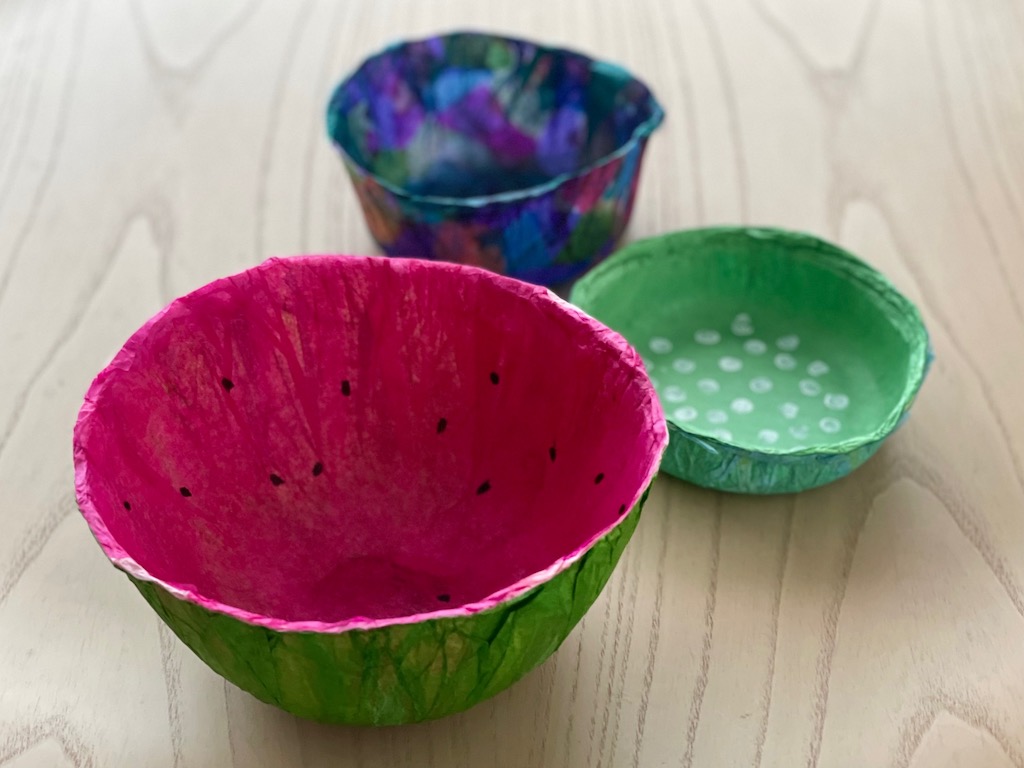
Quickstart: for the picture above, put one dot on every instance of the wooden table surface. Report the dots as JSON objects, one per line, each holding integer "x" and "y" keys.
{"x": 147, "y": 147}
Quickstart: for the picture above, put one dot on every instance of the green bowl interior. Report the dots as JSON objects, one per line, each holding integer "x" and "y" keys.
{"x": 768, "y": 340}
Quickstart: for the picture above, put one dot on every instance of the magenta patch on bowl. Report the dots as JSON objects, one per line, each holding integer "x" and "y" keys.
{"x": 336, "y": 442}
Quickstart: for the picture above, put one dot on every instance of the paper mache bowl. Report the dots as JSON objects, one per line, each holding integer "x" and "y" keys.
{"x": 493, "y": 151}
{"x": 781, "y": 360}
{"x": 369, "y": 490}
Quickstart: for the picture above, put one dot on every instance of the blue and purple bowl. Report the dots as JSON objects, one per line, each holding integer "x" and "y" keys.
{"x": 492, "y": 151}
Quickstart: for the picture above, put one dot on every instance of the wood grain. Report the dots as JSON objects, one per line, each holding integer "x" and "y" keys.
{"x": 147, "y": 147}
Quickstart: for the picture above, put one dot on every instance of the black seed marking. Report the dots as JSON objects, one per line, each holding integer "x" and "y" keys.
{"x": 318, "y": 469}
{"x": 128, "y": 506}
{"x": 276, "y": 480}
{"x": 494, "y": 377}
{"x": 485, "y": 486}
{"x": 552, "y": 453}
{"x": 622, "y": 510}
{"x": 227, "y": 383}
{"x": 599, "y": 478}
{"x": 185, "y": 491}
{"x": 442, "y": 425}
{"x": 346, "y": 388}
{"x": 444, "y": 598}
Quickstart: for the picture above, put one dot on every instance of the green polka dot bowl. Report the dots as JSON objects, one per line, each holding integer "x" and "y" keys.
{"x": 782, "y": 361}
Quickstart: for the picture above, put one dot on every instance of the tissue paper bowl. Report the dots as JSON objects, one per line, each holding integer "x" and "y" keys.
{"x": 782, "y": 361}
{"x": 368, "y": 490}
{"x": 492, "y": 151}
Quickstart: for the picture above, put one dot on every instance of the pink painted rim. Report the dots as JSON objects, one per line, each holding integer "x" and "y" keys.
{"x": 124, "y": 359}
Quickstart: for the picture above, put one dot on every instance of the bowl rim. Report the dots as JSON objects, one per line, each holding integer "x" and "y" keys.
{"x": 122, "y": 362}
{"x": 900, "y": 311}
{"x": 639, "y": 135}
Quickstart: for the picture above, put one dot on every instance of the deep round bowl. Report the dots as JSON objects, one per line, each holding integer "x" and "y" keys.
{"x": 493, "y": 151}
{"x": 369, "y": 490}
{"x": 781, "y": 360}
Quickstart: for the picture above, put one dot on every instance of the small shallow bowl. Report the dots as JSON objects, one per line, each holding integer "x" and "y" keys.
{"x": 369, "y": 490}
{"x": 782, "y": 361}
{"x": 493, "y": 151}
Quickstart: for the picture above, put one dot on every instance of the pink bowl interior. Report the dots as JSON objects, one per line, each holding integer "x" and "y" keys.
{"x": 325, "y": 438}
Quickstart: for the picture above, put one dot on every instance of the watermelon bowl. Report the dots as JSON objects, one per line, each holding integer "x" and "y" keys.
{"x": 369, "y": 490}
{"x": 494, "y": 151}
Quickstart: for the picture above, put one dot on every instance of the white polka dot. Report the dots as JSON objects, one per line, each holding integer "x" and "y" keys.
{"x": 830, "y": 424}
{"x": 648, "y": 365}
{"x": 836, "y": 401}
{"x": 708, "y": 386}
{"x": 785, "y": 362}
{"x": 742, "y": 405}
{"x": 788, "y": 343}
{"x": 722, "y": 434}
{"x": 789, "y": 410}
{"x": 707, "y": 337}
{"x": 730, "y": 364}
{"x": 741, "y": 325}
{"x": 769, "y": 436}
{"x": 810, "y": 387}
{"x": 818, "y": 368}
{"x": 799, "y": 431}
{"x": 716, "y": 416}
{"x": 660, "y": 345}
{"x": 684, "y": 365}
{"x": 686, "y": 413}
{"x": 674, "y": 394}
{"x": 755, "y": 346}
{"x": 761, "y": 384}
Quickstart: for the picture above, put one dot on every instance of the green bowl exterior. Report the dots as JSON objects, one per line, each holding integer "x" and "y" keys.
{"x": 725, "y": 467}
{"x": 399, "y": 673}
